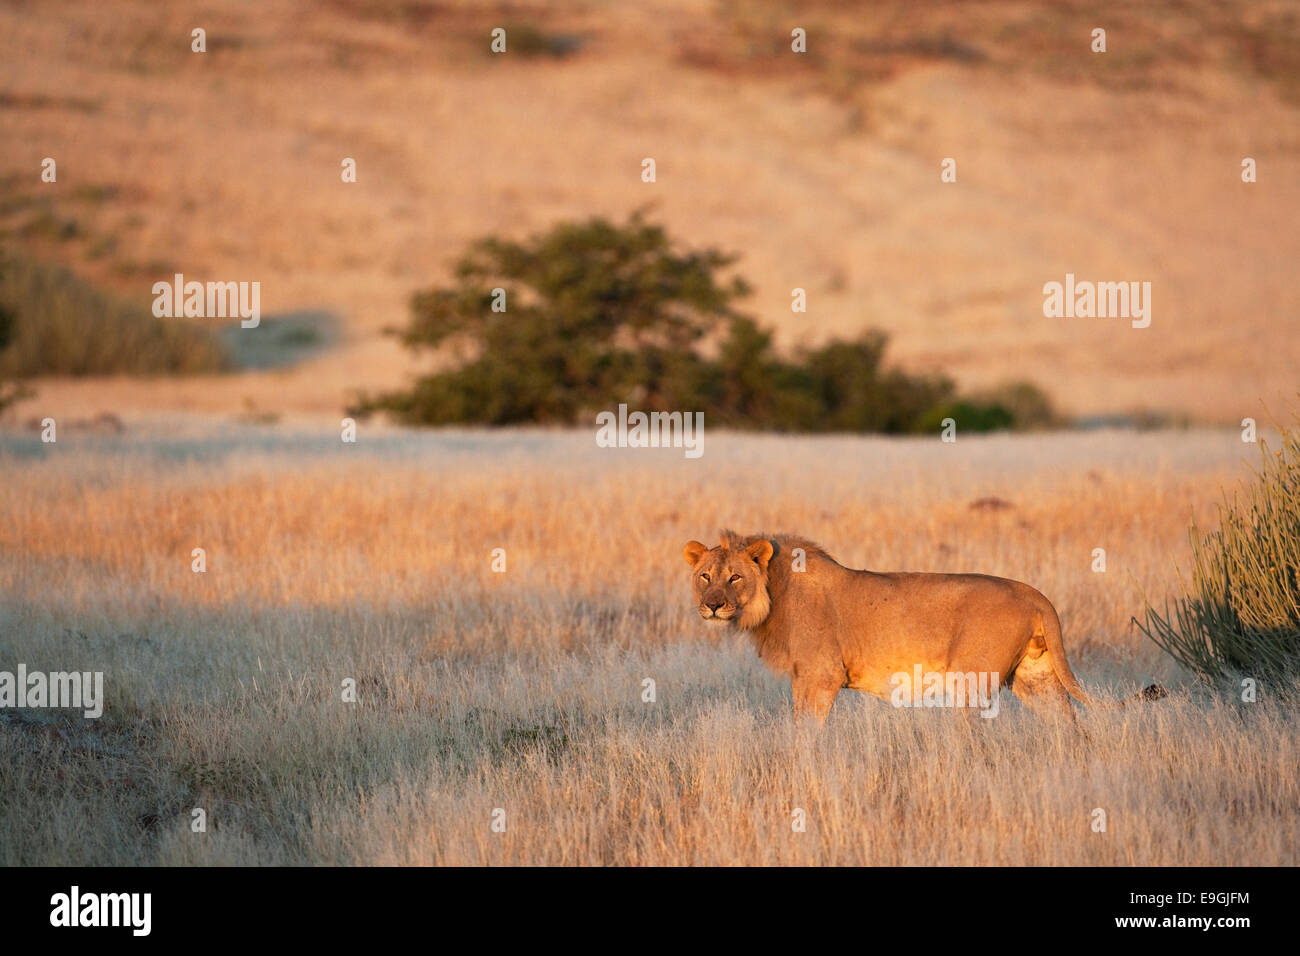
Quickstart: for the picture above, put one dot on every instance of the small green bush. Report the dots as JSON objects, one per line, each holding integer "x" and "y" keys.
{"x": 58, "y": 324}
{"x": 1242, "y": 616}
{"x": 525, "y": 39}
{"x": 10, "y": 392}
{"x": 968, "y": 416}
{"x": 1028, "y": 406}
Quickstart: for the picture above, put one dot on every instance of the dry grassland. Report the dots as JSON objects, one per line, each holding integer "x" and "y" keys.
{"x": 522, "y": 690}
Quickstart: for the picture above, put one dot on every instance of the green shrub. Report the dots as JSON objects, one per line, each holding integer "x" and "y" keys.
{"x": 525, "y": 39}
{"x": 1243, "y": 613}
{"x": 968, "y": 416}
{"x": 59, "y": 324}
{"x": 1027, "y": 404}
{"x": 10, "y": 392}
{"x": 599, "y": 314}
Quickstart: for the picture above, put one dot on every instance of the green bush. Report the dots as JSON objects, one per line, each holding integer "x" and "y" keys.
{"x": 10, "y": 392}
{"x": 595, "y": 313}
{"x": 1243, "y": 613}
{"x": 599, "y": 314}
{"x": 525, "y": 39}
{"x": 1028, "y": 406}
{"x": 968, "y": 416}
{"x": 58, "y": 324}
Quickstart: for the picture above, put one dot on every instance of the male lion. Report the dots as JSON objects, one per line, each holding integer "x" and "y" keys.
{"x": 830, "y": 627}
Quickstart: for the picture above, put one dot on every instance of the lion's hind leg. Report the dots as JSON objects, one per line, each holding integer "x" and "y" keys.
{"x": 1036, "y": 684}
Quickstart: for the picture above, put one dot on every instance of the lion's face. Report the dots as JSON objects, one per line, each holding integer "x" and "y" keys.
{"x": 731, "y": 584}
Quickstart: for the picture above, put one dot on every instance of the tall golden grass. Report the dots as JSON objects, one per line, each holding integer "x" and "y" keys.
{"x": 522, "y": 691}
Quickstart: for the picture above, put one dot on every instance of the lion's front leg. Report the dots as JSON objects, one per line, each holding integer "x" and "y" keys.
{"x": 814, "y": 695}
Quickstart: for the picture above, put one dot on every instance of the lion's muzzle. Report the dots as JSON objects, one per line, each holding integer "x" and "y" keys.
{"x": 719, "y": 611}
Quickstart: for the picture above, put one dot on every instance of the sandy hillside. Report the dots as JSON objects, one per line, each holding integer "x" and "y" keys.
{"x": 821, "y": 170}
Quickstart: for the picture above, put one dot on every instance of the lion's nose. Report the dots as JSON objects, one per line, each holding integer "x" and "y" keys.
{"x": 714, "y": 605}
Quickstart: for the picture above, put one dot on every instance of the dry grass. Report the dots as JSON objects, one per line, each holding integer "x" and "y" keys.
{"x": 522, "y": 690}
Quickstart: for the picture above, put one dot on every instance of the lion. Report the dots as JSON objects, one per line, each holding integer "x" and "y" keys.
{"x": 830, "y": 627}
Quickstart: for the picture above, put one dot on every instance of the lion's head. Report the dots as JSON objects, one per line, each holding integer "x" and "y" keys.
{"x": 730, "y": 581}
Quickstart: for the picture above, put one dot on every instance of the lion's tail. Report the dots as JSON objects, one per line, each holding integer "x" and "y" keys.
{"x": 1051, "y": 625}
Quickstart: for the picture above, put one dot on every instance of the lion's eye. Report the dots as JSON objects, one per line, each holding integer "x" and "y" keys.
{"x": 705, "y": 577}
{"x": 734, "y": 578}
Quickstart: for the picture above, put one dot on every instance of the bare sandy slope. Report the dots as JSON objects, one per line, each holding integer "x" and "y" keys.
{"x": 822, "y": 171}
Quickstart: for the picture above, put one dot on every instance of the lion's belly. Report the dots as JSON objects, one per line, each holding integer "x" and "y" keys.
{"x": 915, "y": 629}
{"x": 880, "y": 679}
{"x": 895, "y": 640}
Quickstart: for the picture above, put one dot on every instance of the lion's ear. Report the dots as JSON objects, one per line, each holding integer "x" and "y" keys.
{"x": 693, "y": 551}
{"x": 761, "y": 552}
